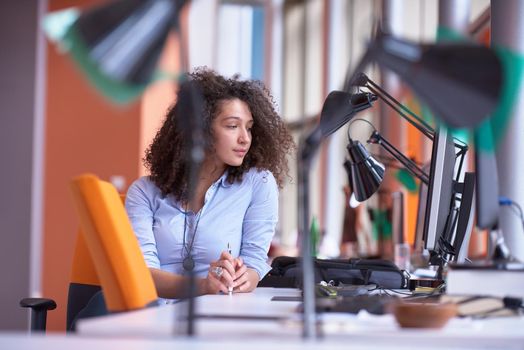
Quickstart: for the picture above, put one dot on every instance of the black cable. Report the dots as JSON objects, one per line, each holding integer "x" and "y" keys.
{"x": 516, "y": 205}
{"x": 505, "y": 201}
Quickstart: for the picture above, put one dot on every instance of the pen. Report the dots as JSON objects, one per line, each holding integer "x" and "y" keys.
{"x": 230, "y": 288}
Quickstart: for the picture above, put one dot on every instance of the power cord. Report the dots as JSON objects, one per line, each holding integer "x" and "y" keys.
{"x": 517, "y": 209}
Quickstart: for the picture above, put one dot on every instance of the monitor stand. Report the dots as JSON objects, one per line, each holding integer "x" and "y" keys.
{"x": 501, "y": 252}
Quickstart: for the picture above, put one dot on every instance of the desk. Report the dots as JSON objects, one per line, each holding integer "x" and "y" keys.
{"x": 161, "y": 321}
{"x": 342, "y": 329}
{"x": 10, "y": 341}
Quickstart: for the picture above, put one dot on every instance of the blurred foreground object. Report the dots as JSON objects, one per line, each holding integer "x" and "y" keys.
{"x": 116, "y": 45}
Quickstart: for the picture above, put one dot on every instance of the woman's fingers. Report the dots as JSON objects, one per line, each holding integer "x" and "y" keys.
{"x": 221, "y": 271}
{"x": 215, "y": 279}
{"x": 244, "y": 285}
{"x": 238, "y": 263}
{"x": 226, "y": 256}
{"x": 229, "y": 272}
{"x": 240, "y": 274}
{"x": 227, "y": 265}
{"x": 227, "y": 262}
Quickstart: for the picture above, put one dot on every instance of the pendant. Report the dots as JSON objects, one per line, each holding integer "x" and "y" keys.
{"x": 188, "y": 264}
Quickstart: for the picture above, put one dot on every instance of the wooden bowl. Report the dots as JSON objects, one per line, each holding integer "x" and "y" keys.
{"x": 422, "y": 315}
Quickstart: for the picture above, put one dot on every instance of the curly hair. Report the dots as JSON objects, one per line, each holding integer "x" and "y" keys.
{"x": 271, "y": 142}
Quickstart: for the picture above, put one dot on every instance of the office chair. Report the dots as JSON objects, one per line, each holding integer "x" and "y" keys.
{"x": 108, "y": 271}
{"x": 126, "y": 281}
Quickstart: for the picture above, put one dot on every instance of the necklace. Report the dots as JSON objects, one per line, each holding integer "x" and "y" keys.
{"x": 188, "y": 263}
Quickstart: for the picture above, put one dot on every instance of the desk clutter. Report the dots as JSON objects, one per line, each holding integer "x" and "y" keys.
{"x": 378, "y": 287}
{"x": 421, "y": 307}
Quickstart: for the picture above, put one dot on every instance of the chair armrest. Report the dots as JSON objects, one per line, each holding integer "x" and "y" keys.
{"x": 38, "y": 303}
{"x": 39, "y": 307}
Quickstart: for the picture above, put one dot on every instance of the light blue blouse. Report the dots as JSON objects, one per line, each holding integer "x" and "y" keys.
{"x": 243, "y": 214}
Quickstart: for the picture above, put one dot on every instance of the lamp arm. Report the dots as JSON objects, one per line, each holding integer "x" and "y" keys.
{"x": 413, "y": 168}
{"x": 402, "y": 110}
{"x": 364, "y": 81}
{"x": 408, "y": 115}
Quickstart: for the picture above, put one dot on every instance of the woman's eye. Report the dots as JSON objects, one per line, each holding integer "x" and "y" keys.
{"x": 231, "y": 126}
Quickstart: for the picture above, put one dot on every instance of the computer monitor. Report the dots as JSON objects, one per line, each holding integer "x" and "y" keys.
{"x": 439, "y": 214}
{"x": 448, "y": 214}
{"x": 487, "y": 192}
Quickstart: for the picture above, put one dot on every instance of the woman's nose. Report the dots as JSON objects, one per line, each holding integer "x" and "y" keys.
{"x": 244, "y": 136}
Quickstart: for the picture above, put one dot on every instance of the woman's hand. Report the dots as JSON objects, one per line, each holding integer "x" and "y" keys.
{"x": 246, "y": 279}
{"x": 220, "y": 275}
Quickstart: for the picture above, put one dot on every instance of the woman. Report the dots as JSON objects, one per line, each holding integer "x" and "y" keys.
{"x": 224, "y": 233}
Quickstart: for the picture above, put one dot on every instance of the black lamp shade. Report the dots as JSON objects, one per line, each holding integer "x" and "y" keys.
{"x": 460, "y": 82}
{"x": 340, "y": 106}
{"x": 366, "y": 172}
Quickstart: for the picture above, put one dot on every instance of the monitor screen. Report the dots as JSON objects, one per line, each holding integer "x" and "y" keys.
{"x": 440, "y": 197}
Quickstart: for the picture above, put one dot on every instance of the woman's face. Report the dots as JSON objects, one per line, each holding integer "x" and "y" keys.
{"x": 232, "y": 132}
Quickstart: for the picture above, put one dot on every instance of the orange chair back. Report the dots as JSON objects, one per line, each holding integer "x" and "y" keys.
{"x": 83, "y": 270}
{"x": 112, "y": 245}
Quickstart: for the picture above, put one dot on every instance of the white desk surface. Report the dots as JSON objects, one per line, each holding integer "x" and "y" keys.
{"x": 10, "y": 341}
{"x": 362, "y": 329}
{"x": 162, "y": 321}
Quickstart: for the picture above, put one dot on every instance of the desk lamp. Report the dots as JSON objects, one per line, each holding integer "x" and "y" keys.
{"x": 442, "y": 243}
{"x": 340, "y": 110}
{"x": 444, "y": 219}
{"x": 486, "y": 182}
{"x": 361, "y": 170}
{"x": 361, "y": 193}
{"x": 464, "y": 186}
{"x": 366, "y": 173}
{"x": 363, "y": 81}
{"x": 460, "y": 82}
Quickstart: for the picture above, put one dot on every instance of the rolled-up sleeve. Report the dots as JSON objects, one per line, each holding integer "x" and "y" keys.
{"x": 259, "y": 223}
{"x": 140, "y": 211}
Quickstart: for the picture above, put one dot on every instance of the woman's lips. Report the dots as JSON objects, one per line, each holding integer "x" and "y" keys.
{"x": 240, "y": 152}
